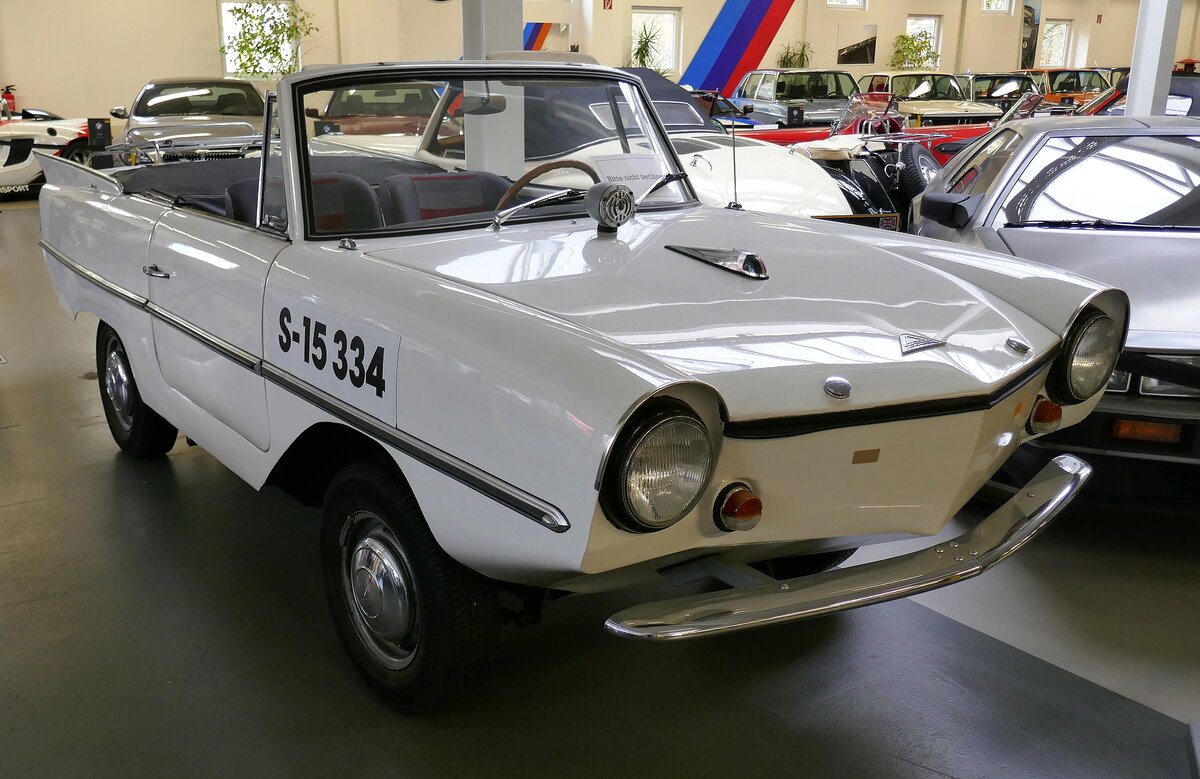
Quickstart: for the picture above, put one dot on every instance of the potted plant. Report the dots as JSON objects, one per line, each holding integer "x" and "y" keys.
{"x": 912, "y": 52}
{"x": 267, "y": 41}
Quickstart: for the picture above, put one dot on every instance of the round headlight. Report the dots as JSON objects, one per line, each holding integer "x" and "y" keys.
{"x": 1090, "y": 356}
{"x": 663, "y": 472}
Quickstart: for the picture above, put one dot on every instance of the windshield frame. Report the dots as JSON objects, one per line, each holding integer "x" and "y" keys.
{"x": 303, "y": 84}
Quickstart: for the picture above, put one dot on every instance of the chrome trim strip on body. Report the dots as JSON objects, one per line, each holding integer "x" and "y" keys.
{"x": 463, "y": 472}
{"x": 129, "y": 297}
{"x": 243, "y": 358}
{"x": 486, "y": 484}
{"x": 1003, "y": 532}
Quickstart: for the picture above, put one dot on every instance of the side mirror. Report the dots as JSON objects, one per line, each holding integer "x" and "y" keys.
{"x": 747, "y": 109}
{"x": 948, "y": 209}
{"x": 119, "y": 112}
{"x": 312, "y": 113}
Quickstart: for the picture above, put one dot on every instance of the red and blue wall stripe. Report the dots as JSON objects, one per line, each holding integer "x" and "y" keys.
{"x": 736, "y": 42}
{"x": 535, "y": 35}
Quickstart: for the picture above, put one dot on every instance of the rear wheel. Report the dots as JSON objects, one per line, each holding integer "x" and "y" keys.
{"x": 77, "y": 151}
{"x": 137, "y": 428}
{"x": 418, "y": 625}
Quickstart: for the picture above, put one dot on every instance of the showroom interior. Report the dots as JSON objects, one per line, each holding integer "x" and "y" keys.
{"x": 167, "y": 613}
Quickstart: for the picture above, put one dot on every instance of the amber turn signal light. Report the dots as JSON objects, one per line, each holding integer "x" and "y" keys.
{"x": 1045, "y": 417}
{"x": 737, "y": 508}
{"x": 1153, "y": 432}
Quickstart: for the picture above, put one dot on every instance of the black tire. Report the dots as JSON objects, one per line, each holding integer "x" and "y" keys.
{"x": 137, "y": 428}
{"x": 803, "y": 565}
{"x": 920, "y": 166}
{"x": 78, "y": 151}
{"x": 418, "y": 625}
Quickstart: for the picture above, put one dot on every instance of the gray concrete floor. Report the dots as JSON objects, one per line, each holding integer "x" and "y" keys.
{"x": 162, "y": 617}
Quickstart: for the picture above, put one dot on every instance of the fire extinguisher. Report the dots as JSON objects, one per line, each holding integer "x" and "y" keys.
{"x": 8, "y": 97}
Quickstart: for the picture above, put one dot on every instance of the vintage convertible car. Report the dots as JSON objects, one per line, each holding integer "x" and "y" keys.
{"x": 189, "y": 108}
{"x": 929, "y": 99}
{"x": 1118, "y": 199}
{"x": 29, "y": 130}
{"x": 500, "y": 385}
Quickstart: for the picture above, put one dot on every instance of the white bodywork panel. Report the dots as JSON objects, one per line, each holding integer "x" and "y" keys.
{"x": 509, "y": 360}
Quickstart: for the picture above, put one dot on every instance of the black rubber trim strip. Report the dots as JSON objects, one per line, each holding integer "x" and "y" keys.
{"x": 545, "y": 514}
{"x": 500, "y": 491}
{"x": 783, "y": 427}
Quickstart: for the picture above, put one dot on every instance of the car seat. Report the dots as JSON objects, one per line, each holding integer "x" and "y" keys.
{"x": 412, "y": 198}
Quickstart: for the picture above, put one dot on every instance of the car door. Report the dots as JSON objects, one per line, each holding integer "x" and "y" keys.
{"x": 207, "y": 280}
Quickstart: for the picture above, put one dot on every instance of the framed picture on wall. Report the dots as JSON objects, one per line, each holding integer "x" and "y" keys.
{"x": 856, "y": 44}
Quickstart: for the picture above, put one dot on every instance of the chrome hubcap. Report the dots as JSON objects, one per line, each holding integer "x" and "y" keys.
{"x": 928, "y": 170}
{"x": 378, "y": 584}
{"x": 119, "y": 388}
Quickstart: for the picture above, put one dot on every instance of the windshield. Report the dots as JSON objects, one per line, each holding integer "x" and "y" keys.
{"x": 1002, "y": 86}
{"x": 1077, "y": 81}
{"x": 215, "y": 98}
{"x": 831, "y": 85}
{"x": 927, "y": 86}
{"x": 475, "y": 146}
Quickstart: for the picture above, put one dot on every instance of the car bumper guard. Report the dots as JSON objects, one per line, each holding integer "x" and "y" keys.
{"x": 997, "y": 536}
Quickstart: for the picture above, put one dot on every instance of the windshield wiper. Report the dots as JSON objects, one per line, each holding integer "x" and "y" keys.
{"x": 1090, "y": 223}
{"x": 662, "y": 182}
{"x": 548, "y": 199}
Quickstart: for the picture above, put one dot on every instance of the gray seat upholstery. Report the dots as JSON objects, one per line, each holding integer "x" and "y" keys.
{"x": 341, "y": 202}
{"x": 412, "y": 198}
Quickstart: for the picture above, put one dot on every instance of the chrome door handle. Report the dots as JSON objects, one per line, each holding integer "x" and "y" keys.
{"x": 155, "y": 272}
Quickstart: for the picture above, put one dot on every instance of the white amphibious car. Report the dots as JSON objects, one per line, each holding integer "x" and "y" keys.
{"x": 497, "y": 386}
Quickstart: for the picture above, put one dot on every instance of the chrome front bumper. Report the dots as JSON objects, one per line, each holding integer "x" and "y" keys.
{"x": 1003, "y": 532}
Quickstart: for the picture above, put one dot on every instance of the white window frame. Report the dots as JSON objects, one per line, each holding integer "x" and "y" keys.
{"x": 1067, "y": 47}
{"x": 847, "y": 5}
{"x": 227, "y": 57}
{"x": 937, "y": 27}
{"x": 675, "y": 62}
{"x": 1006, "y": 10}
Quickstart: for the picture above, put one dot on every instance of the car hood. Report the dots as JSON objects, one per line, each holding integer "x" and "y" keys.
{"x": 1163, "y": 283}
{"x": 838, "y": 301}
{"x": 834, "y": 106}
{"x": 946, "y": 107}
{"x": 769, "y": 177}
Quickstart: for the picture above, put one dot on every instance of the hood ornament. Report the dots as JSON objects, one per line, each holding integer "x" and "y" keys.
{"x": 733, "y": 260}
{"x": 910, "y": 343}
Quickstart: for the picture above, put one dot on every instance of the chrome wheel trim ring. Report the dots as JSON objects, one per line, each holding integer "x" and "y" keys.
{"x": 118, "y": 386}
{"x": 377, "y": 584}
{"x": 928, "y": 169}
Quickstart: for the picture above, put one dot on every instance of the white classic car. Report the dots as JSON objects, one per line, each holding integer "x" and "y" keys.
{"x": 26, "y": 131}
{"x": 494, "y": 385}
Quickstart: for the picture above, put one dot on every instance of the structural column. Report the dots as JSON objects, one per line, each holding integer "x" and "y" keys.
{"x": 1153, "y": 54}
{"x": 491, "y": 25}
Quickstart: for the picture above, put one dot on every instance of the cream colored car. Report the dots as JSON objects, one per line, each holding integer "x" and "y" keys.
{"x": 929, "y": 98}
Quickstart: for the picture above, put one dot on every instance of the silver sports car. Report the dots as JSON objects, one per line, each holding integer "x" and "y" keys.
{"x": 1118, "y": 199}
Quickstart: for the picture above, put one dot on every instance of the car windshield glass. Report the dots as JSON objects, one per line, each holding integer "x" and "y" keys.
{"x": 1077, "y": 81}
{"x": 1143, "y": 179}
{"x": 217, "y": 98}
{"x": 814, "y": 86}
{"x": 466, "y": 148}
{"x": 1002, "y": 86}
{"x": 927, "y": 86}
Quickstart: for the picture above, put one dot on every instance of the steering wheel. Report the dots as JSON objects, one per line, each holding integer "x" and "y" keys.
{"x": 512, "y": 192}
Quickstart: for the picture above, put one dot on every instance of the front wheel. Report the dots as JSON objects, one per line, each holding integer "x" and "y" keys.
{"x": 418, "y": 625}
{"x": 77, "y": 151}
{"x": 137, "y": 428}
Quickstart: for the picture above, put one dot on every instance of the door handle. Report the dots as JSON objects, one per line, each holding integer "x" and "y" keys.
{"x": 155, "y": 272}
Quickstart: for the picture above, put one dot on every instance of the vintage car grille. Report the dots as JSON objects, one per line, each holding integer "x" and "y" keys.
{"x": 934, "y": 121}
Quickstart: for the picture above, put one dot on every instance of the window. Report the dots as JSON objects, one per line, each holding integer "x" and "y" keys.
{"x": 996, "y": 6}
{"x": 750, "y": 85}
{"x": 1074, "y": 178}
{"x": 275, "y": 15}
{"x": 766, "y": 90}
{"x": 860, "y": 4}
{"x": 983, "y": 169}
{"x": 1056, "y": 42}
{"x": 656, "y": 32}
{"x": 932, "y": 25}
